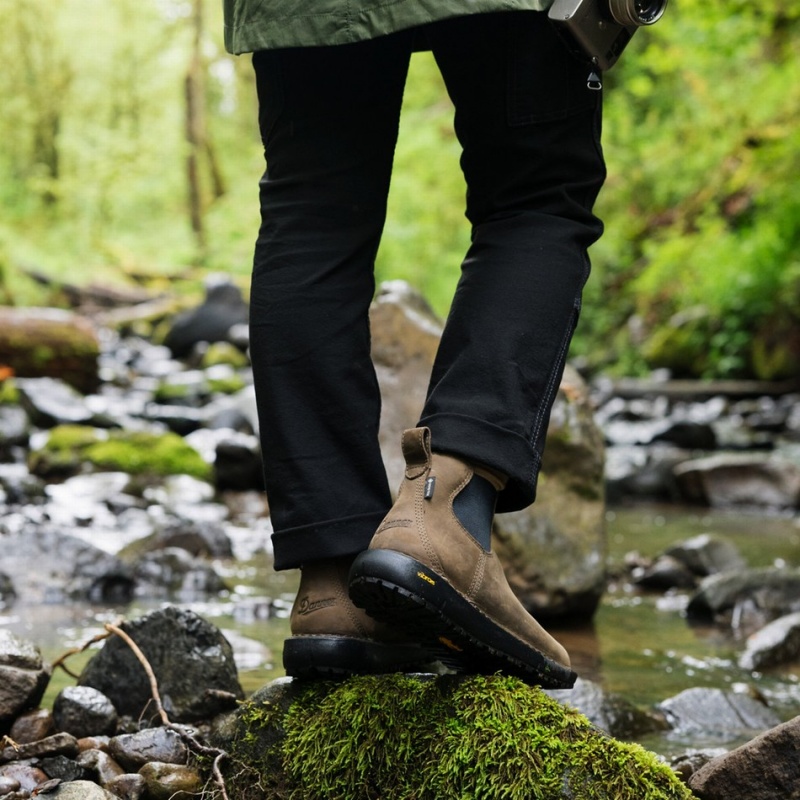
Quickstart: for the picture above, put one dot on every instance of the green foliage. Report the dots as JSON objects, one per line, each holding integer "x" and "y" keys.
{"x": 701, "y": 204}
{"x": 399, "y": 737}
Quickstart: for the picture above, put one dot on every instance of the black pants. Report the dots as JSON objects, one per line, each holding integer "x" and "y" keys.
{"x": 530, "y": 129}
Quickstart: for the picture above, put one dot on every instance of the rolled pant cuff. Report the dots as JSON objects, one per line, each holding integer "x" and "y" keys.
{"x": 481, "y": 442}
{"x": 340, "y": 537}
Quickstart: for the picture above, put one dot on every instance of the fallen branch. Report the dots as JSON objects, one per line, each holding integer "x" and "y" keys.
{"x": 195, "y": 746}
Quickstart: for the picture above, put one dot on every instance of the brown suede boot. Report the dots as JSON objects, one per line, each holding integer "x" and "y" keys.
{"x": 429, "y": 570}
{"x": 331, "y": 637}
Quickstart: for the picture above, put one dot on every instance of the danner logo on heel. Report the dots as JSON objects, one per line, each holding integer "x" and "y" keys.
{"x": 307, "y": 606}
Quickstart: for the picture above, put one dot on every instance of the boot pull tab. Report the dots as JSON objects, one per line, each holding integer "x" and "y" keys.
{"x": 416, "y": 444}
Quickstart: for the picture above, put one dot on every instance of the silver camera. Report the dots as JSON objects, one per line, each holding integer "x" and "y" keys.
{"x": 600, "y": 29}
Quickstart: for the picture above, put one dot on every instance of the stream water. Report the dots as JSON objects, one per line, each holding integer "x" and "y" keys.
{"x": 639, "y": 645}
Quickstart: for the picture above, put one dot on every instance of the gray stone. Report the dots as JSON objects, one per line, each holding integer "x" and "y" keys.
{"x": 727, "y": 480}
{"x": 775, "y": 591}
{"x": 173, "y": 570}
{"x": 191, "y": 659}
{"x": 664, "y": 573}
{"x": 133, "y": 750}
{"x": 50, "y": 402}
{"x": 766, "y": 768}
{"x": 80, "y": 790}
{"x": 23, "y": 674}
{"x": 609, "y": 712}
{"x": 716, "y": 713}
{"x": 66, "y": 567}
{"x": 776, "y": 643}
{"x": 129, "y": 786}
{"x": 100, "y": 764}
{"x": 59, "y": 744}
{"x": 84, "y": 711}
{"x": 62, "y": 768}
{"x": 707, "y": 555}
{"x": 25, "y": 774}
{"x": 8, "y": 785}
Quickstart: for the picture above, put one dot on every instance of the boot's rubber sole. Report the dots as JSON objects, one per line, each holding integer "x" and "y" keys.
{"x": 397, "y": 589}
{"x": 342, "y": 656}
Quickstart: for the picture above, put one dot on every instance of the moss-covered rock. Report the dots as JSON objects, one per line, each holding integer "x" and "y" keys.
{"x": 70, "y": 448}
{"x": 404, "y": 737}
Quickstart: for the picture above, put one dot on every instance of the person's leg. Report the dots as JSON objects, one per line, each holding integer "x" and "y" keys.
{"x": 328, "y": 119}
{"x": 529, "y": 128}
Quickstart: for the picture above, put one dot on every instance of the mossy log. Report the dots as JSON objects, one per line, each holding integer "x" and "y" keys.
{"x": 47, "y": 342}
{"x": 410, "y": 737}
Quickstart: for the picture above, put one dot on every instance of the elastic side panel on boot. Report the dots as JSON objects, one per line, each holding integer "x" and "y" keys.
{"x": 474, "y": 509}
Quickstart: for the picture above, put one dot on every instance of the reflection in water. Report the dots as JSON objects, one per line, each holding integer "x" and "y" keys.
{"x": 639, "y": 645}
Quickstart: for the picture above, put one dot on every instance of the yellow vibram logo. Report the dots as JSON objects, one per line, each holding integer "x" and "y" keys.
{"x": 427, "y": 578}
{"x": 450, "y": 644}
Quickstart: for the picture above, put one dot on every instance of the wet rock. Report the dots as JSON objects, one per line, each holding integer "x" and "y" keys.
{"x": 174, "y": 571}
{"x": 191, "y": 659}
{"x": 19, "y": 486}
{"x": 766, "y": 768}
{"x": 716, "y": 713}
{"x": 774, "y": 591}
{"x": 26, "y": 775}
{"x": 7, "y": 784}
{"x": 52, "y": 342}
{"x": 776, "y": 643}
{"x": 7, "y": 591}
{"x": 59, "y": 744}
{"x": 707, "y": 555}
{"x": 608, "y": 711}
{"x": 740, "y": 480}
{"x": 133, "y": 750}
{"x": 84, "y": 711}
{"x": 23, "y": 675}
{"x": 211, "y": 321}
{"x": 642, "y": 472}
{"x": 104, "y": 768}
{"x": 665, "y": 572}
{"x": 686, "y": 764}
{"x": 130, "y": 786}
{"x": 182, "y": 420}
{"x": 80, "y": 790}
{"x": 14, "y": 429}
{"x": 554, "y": 551}
{"x": 237, "y": 464}
{"x": 32, "y": 726}
{"x": 198, "y": 538}
{"x": 50, "y": 402}
{"x": 170, "y": 781}
{"x": 65, "y": 567}
{"x": 63, "y": 768}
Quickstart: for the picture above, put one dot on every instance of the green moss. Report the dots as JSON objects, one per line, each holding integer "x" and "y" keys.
{"x": 230, "y": 385}
{"x": 224, "y": 353}
{"x": 9, "y": 394}
{"x": 167, "y": 392}
{"x": 400, "y": 737}
{"x": 71, "y": 446}
{"x": 139, "y": 452}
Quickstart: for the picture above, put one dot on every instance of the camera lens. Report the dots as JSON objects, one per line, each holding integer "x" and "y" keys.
{"x": 637, "y": 12}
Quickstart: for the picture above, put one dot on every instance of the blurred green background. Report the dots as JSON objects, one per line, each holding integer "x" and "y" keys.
{"x": 129, "y": 155}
